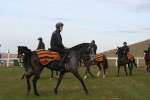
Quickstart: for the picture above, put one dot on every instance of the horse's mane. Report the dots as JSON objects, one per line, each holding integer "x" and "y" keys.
{"x": 25, "y": 48}
{"x": 77, "y": 47}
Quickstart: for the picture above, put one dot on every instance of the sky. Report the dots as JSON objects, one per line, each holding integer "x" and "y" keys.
{"x": 108, "y": 22}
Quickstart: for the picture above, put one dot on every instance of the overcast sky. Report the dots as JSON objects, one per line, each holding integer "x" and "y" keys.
{"x": 108, "y": 22}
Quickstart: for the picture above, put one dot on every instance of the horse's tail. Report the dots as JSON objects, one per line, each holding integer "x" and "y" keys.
{"x": 134, "y": 62}
{"x": 105, "y": 61}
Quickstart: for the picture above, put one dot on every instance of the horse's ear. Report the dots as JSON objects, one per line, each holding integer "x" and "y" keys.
{"x": 92, "y": 42}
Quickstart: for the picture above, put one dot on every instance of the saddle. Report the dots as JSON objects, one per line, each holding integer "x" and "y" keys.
{"x": 47, "y": 56}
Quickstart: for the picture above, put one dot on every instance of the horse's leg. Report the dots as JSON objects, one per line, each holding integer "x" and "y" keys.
{"x": 125, "y": 69}
{"x": 35, "y": 79}
{"x": 130, "y": 65}
{"x": 118, "y": 70}
{"x": 76, "y": 74}
{"x": 86, "y": 76}
{"x": 22, "y": 77}
{"x": 57, "y": 74}
{"x": 148, "y": 67}
{"x": 135, "y": 64}
{"x": 88, "y": 70}
{"x": 52, "y": 74}
{"x": 99, "y": 69}
{"x": 104, "y": 71}
{"x": 28, "y": 83}
{"x": 59, "y": 81}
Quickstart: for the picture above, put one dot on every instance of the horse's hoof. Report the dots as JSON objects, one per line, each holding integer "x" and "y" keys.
{"x": 28, "y": 94}
{"x": 86, "y": 93}
{"x": 85, "y": 77}
{"x": 56, "y": 92}
{"x": 104, "y": 76}
{"x": 37, "y": 94}
{"x": 51, "y": 78}
{"x": 98, "y": 74}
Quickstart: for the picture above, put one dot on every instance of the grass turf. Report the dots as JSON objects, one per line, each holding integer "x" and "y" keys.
{"x": 136, "y": 87}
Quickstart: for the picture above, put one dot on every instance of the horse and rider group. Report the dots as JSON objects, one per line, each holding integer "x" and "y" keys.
{"x": 62, "y": 60}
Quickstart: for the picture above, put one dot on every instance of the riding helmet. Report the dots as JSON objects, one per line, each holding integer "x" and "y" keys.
{"x": 125, "y": 43}
{"x": 59, "y": 24}
{"x": 40, "y": 38}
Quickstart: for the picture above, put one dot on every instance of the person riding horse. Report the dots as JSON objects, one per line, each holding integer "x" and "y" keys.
{"x": 41, "y": 44}
{"x": 125, "y": 48}
{"x": 148, "y": 48}
{"x": 95, "y": 46}
{"x": 147, "y": 58}
{"x": 56, "y": 40}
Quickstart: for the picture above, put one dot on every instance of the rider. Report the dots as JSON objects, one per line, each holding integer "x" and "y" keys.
{"x": 95, "y": 46}
{"x": 41, "y": 44}
{"x": 56, "y": 39}
{"x": 125, "y": 48}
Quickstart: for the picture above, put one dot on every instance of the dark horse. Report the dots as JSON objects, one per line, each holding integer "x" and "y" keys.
{"x": 123, "y": 61}
{"x": 69, "y": 63}
{"x": 100, "y": 61}
{"x": 147, "y": 60}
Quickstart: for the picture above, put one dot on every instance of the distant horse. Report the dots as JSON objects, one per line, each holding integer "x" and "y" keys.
{"x": 100, "y": 61}
{"x": 147, "y": 60}
{"x": 123, "y": 61}
{"x": 131, "y": 60}
{"x": 69, "y": 63}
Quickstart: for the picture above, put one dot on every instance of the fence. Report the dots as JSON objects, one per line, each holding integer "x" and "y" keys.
{"x": 8, "y": 60}
{"x": 136, "y": 58}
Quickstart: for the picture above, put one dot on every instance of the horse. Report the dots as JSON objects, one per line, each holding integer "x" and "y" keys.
{"x": 147, "y": 60}
{"x": 131, "y": 60}
{"x": 68, "y": 63}
{"x": 100, "y": 61}
{"x": 123, "y": 61}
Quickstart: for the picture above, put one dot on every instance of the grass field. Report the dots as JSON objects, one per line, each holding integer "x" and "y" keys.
{"x": 136, "y": 87}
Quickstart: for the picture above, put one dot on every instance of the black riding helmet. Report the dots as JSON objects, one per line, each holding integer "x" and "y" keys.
{"x": 59, "y": 24}
{"x": 125, "y": 43}
{"x": 40, "y": 39}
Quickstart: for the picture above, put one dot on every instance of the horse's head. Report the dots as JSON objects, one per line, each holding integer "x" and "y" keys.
{"x": 91, "y": 51}
{"x": 22, "y": 50}
{"x": 84, "y": 50}
{"x": 119, "y": 51}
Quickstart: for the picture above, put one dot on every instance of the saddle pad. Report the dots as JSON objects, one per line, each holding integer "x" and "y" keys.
{"x": 46, "y": 56}
{"x": 100, "y": 57}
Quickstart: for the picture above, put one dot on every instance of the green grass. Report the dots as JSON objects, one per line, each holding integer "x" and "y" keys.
{"x": 136, "y": 87}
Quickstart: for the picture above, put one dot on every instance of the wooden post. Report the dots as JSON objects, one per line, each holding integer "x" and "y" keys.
{"x": 137, "y": 60}
{"x": 8, "y": 59}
